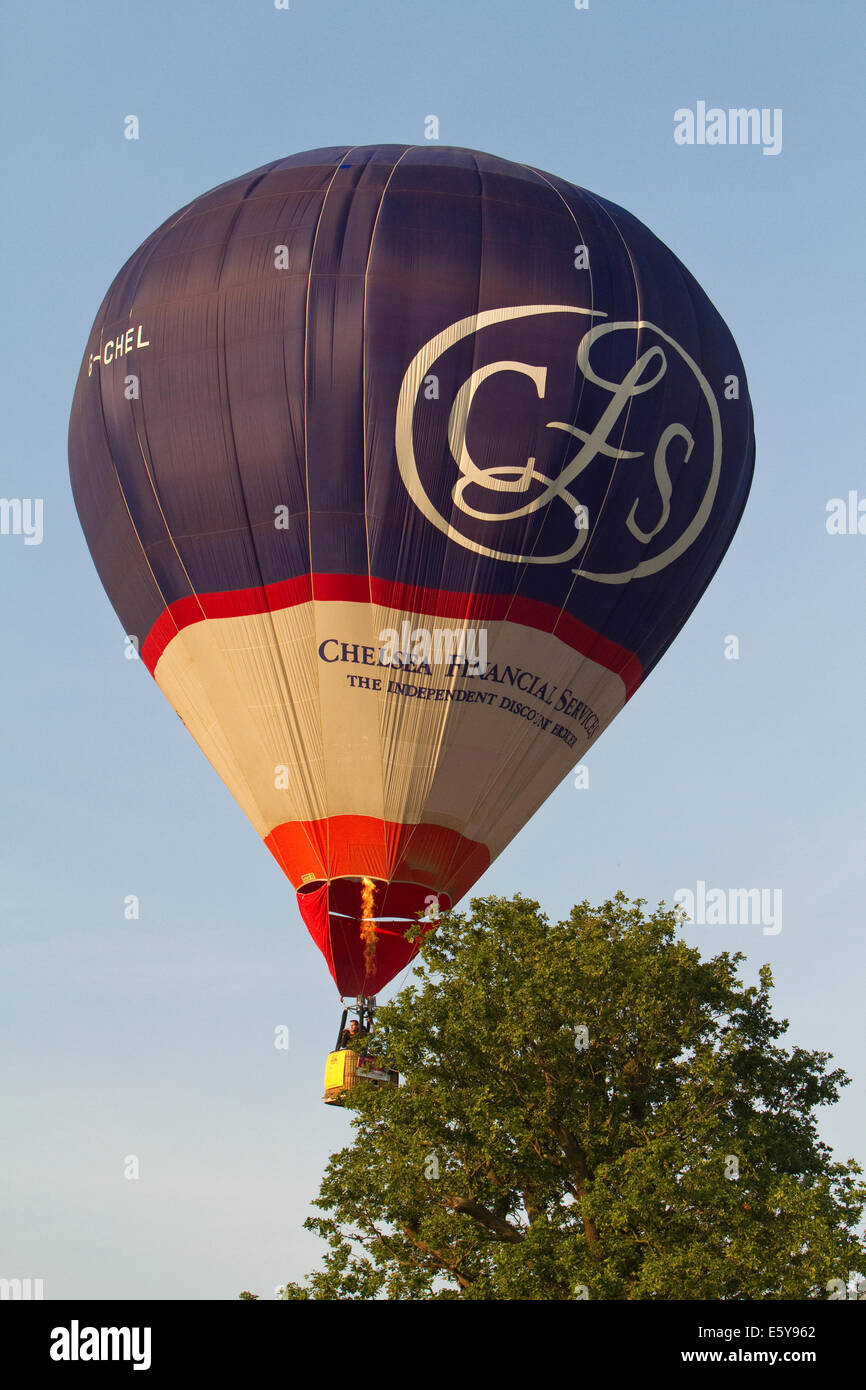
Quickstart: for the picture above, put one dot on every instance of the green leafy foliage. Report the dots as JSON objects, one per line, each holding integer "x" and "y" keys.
{"x": 590, "y": 1110}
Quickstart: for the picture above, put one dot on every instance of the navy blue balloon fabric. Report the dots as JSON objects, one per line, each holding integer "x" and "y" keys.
{"x": 257, "y": 351}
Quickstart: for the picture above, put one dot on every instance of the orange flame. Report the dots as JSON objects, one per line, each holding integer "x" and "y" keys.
{"x": 368, "y": 926}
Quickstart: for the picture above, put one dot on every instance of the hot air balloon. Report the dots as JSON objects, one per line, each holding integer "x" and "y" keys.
{"x": 405, "y": 465}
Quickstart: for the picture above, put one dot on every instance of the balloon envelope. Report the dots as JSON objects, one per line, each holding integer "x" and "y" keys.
{"x": 404, "y": 465}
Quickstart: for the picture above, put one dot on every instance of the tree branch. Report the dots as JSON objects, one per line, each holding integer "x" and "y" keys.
{"x": 437, "y": 1256}
{"x": 577, "y": 1162}
{"x": 510, "y": 1234}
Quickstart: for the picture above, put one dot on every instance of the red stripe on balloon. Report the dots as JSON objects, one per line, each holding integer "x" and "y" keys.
{"x": 418, "y": 858}
{"x": 233, "y": 603}
{"x": 438, "y": 603}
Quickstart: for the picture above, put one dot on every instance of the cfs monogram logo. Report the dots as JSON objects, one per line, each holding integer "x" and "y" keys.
{"x": 524, "y": 489}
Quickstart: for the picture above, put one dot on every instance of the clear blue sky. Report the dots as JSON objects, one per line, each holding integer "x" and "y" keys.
{"x": 154, "y": 1037}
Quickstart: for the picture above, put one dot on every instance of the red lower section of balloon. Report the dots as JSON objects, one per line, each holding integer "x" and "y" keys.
{"x": 442, "y": 860}
{"x": 411, "y": 866}
{"x": 358, "y": 968}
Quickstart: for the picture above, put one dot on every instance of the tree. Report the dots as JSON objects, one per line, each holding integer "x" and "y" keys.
{"x": 588, "y": 1109}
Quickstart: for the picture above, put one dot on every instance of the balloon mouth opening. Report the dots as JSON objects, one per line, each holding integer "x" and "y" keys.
{"x": 386, "y": 899}
{"x": 360, "y": 924}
